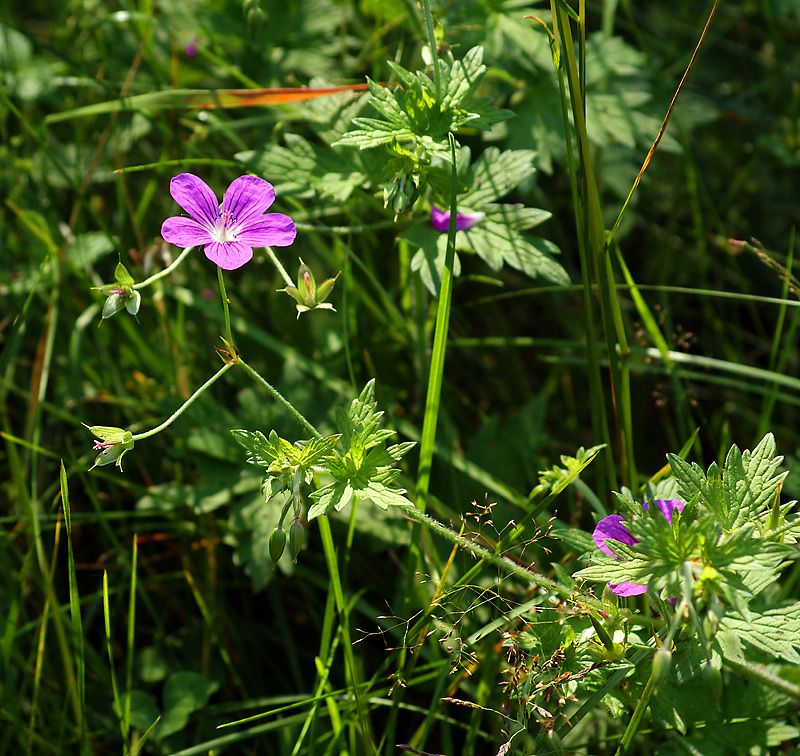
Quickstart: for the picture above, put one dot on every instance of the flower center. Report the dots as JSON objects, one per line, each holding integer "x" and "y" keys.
{"x": 226, "y": 228}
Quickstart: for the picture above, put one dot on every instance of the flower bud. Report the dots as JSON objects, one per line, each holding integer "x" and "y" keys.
{"x": 716, "y": 611}
{"x": 662, "y": 661}
{"x": 121, "y": 294}
{"x": 297, "y": 535}
{"x": 277, "y": 543}
{"x": 307, "y": 294}
{"x": 113, "y": 444}
{"x": 713, "y": 679}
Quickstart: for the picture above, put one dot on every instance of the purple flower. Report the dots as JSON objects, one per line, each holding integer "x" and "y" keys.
{"x": 228, "y": 231}
{"x": 190, "y": 48}
{"x": 612, "y": 527}
{"x": 440, "y": 219}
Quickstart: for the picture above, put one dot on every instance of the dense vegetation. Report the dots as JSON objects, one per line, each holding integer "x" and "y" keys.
{"x": 493, "y": 350}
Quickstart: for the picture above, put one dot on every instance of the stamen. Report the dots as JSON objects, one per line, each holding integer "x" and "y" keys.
{"x": 226, "y": 226}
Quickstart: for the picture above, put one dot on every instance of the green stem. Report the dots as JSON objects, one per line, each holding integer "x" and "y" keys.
{"x": 225, "y": 308}
{"x": 174, "y": 264}
{"x": 277, "y": 263}
{"x": 347, "y": 645}
{"x": 279, "y": 398}
{"x": 426, "y": 12}
{"x": 188, "y": 403}
{"x": 600, "y": 427}
{"x": 764, "y": 677}
{"x": 439, "y": 348}
{"x": 636, "y": 718}
{"x": 592, "y": 227}
{"x": 501, "y": 562}
{"x": 428, "y": 437}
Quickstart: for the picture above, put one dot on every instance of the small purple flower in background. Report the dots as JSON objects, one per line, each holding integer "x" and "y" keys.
{"x": 190, "y": 48}
{"x": 612, "y": 527}
{"x": 230, "y": 231}
{"x": 440, "y": 219}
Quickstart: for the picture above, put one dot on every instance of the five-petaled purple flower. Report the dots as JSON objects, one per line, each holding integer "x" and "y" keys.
{"x": 440, "y": 219}
{"x": 612, "y": 527}
{"x": 231, "y": 230}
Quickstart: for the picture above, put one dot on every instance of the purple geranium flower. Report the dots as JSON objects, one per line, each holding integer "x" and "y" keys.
{"x": 231, "y": 230}
{"x": 440, "y": 219}
{"x": 612, "y": 527}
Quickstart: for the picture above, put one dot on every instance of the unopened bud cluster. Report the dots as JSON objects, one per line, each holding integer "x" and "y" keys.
{"x": 277, "y": 541}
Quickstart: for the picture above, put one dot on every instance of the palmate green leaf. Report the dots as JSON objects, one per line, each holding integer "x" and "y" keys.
{"x": 362, "y": 419}
{"x": 261, "y": 452}
{"x": 608, "y": 117}
{"x": 664, "y": 542}
{"x": 775, "y": 631}
{"x": 313, "y": 452}
{"x": 750, "y": 481}
{"x": 743, "y": 492}
{"x": 374, "y": 133}
{"x": 495, "y": 241}
{"x": 496, "y": 244}
{"x": 462, "y": 77}
{"x": 365, "y": 471}
{"x": 338, "y": 495}
{"x": 389, "y": 103}
{"x": 278, "y": 452}
{"x": 517, "y": 217}
{"x": 305, "y": 170}
{"x": 494, "y": 174}
{"x": 429, "y": 258}
{"x": 632, "y": 566}
{"x": 750, "y": 720}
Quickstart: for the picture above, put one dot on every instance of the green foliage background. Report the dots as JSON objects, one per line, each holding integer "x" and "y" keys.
{"x": 204, "y": 631}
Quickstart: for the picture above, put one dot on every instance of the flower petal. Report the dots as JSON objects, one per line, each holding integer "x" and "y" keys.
{"x": 467, "y": 220}
{"x": 628, "y": 589}
{"x": 248, "y": 197}
{"x": 229, "y": 255}
{"x": 440, "y": 219}
{"x": 612, "y": 527}
{"x": 185, "y": 232}
{"x": 195, "y": 197}
{"x": 668, "y": 506}
{"x": 270, "y": 230}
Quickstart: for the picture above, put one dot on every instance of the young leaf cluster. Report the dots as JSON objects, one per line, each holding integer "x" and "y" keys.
{"x": 733, "y": 532}
{"x": 745, "y": 491}
{"x": 415, "y": 114}
{"x": 365, "y": 470}
{"x": 362, "y": 470}
{"x": 415, "y": 120}
{"x": 287, "y": 465}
